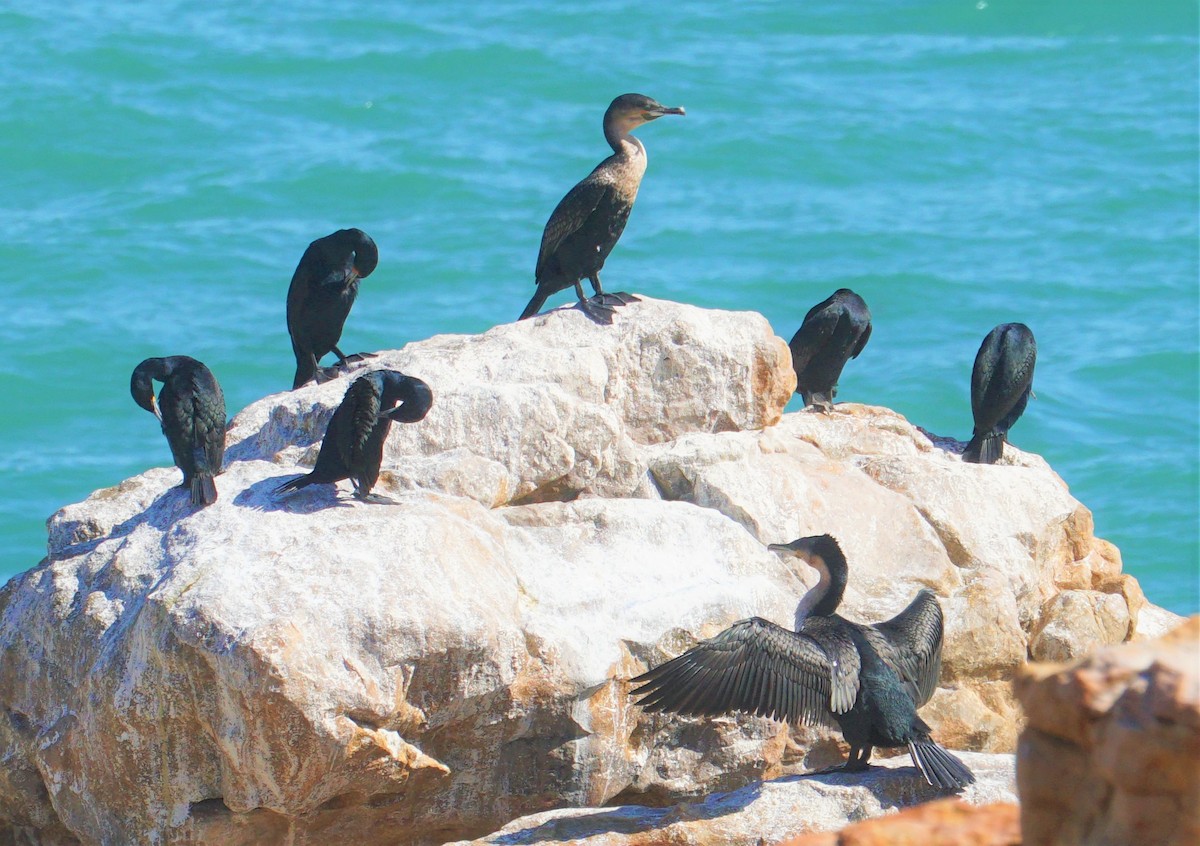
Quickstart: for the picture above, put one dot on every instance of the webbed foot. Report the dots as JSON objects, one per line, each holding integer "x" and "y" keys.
{"x": 617, "y": 298}
{"x": 375, "y": 499}
{"x": 597, "y": 310}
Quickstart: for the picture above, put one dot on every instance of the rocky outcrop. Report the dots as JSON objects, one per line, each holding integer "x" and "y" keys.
{"x": 1111, "y": 753}
{"x": 946, "y": 822}
{"x": 763, "y": 812}
{"x": 581, "y": 502}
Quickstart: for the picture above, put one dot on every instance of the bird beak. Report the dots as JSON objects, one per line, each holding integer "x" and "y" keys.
{"x": 154, "y": 407}
{"x": 779, "y": 547}
{"x": 671, "y": 110}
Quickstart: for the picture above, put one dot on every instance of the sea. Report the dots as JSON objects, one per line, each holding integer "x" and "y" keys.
{"x": 958, "y": 163}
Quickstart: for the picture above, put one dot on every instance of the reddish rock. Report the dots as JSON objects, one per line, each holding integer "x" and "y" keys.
{"x": 1111, "y": 751}
{"x": 947, "y": 822}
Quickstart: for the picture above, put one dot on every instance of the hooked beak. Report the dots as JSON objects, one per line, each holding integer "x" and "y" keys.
{"x": 668, "y": 110}
{"x": 779, "y": 547}
{"x": 154, "y": 407}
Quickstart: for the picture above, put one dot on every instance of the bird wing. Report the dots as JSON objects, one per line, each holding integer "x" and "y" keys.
{"x": 912, "y": 643}
{"x": 753, "y": 666}
{"x": 209, "y": 421}
{"x": 813, "y": 333}
{"x": 366, "y": 397}
{"x": 862, "y": 342}
{"x": 569, "y": 216}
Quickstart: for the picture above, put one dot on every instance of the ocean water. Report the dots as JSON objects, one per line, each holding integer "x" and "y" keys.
{"x": 959, "y": 163}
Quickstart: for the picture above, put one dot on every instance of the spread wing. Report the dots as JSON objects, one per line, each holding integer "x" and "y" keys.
{"x": 753, "y": 666}
{"x": 912, "y": 643}
{"x": 569, "y": 216}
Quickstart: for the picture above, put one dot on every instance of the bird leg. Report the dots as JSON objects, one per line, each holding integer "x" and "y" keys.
{"x": 616, "y": 298}
{"x": 595, "y": 308}
{"x": 858, "y": 760}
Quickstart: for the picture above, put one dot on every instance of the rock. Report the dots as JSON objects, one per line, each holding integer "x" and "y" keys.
{"x": 945, "y": 822}
{"x": 765, "y": 812}
{"x": 1122, "y": 729}
{"x": 581, "y": 503}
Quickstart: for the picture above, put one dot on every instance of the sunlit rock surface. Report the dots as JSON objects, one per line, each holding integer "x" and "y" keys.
{"x": 581, "y": 502}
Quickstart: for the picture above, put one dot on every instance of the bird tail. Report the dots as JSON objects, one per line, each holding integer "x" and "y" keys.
{"x": 204, "y": 489}
{"x": 940, "y": 768}
{"x": 984, "y": 449}
{"x": 294, "y": 484}
{"x": 535, "y": 305}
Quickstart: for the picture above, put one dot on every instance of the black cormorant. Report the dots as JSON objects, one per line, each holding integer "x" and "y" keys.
{"x": 191, "y": 409}
{"x": 353, "y": 444}
{"x": 1001, "y": 384}
{"x": 588, "y": 221}
{"x": 870, "y": 679}
{"x": 319, "y": 299}
{"x": 833, "y": 332}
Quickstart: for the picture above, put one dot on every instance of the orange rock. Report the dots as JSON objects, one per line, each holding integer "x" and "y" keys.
{"x": 947, "y": 822}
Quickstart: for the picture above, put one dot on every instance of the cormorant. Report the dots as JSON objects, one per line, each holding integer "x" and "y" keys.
{"x": 191, "y": 410}
{"x": 353, "y": 444}
{"x": 833, "y": 332}
{"x": 323, "y": 289}
{"x": 1001, "y": 384}
{"x": 870, "y": 679}
{"x": 588, "y": 221}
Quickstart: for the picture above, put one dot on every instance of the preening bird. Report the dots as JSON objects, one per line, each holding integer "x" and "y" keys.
{"x": 1001, "y": 384}
{"x": 587, "y": 222}
{"x": 353, "y": 444}
{"x": 833, "y": 332}
{"x": 322, "y": 292}
{"x": 870, "y": 679}
{"x": 191, "y": 410}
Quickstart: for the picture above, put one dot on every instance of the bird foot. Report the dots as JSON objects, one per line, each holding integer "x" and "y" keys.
{"x": 375, "y": 499}
{"x": 325, "y": 374}
{"x": 820, "y": 406}
{"x": 357, "y": 357}
{"x": 617, "y": 298}
{"x": 597, "y": 310}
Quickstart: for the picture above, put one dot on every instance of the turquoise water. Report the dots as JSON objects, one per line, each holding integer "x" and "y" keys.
{"x": 959, "y": 164}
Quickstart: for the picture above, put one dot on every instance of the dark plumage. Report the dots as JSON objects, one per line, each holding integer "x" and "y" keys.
{"x": 869, "y": 679}
{"x": 1001, "y": 384}
{"x": 191, "y": 410}
{"x": 588, "y": 221}
{"x": 833, "y": 332}
{"x": 353, "y": 444}
{"x": 323, "y": 289}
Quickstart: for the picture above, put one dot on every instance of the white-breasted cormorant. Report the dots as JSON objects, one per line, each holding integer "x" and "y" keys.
{"x": 869, "y": 679}
{"x": 191, "y": 410}
{"x": 323, "y": 289}
{"x": 1001, "y": 384}
{"x": 353, "y": 444}
{"x": 588, "y": 221}
{"x": 833, "y": 332}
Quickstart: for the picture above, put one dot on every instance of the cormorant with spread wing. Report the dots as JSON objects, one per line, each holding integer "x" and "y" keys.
{"x": 353, "y": 444}
{"x": 587, "y": 222}
{"x": 869, "y": 679}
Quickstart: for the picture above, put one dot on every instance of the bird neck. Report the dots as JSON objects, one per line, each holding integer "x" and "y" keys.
{"x": 622, "y": 142}
{"x": 823, "y": 599}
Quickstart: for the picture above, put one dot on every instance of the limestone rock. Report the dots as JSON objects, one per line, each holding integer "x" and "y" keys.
{"x": 766, "y": 812}
{"x": 1122, "y": 729}
{"x": 580, "y": 503}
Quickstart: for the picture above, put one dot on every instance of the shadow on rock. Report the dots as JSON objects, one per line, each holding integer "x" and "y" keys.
{"x": 632, "y": 819}
{"x": 261, "y": 496}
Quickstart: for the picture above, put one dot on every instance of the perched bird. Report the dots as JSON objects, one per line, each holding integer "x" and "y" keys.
{"x": 353, "y": 444}
{"x": 323, "y": 289}
{"x": 1001, "y": 384}
{"x": 588, "y": 221}
{"x": 833, "y": 332}
{"x": 191, "y": 409}
{"x": 869, "y": 679}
